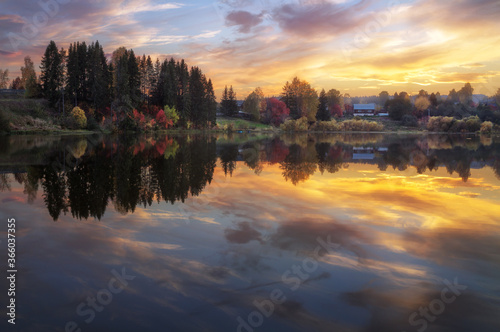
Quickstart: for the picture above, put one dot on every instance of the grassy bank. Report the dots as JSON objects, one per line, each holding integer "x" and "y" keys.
{"x": 33, "y": 116}
{"x": 19, "y": 115}
{"x": 232, "y": 124}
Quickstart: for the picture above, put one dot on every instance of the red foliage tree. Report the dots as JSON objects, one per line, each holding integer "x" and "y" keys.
{"x": 162, "y": 120}
{"x": 336, "y": 111}
{"x": 278, "y": 152}
{"x": 279, "y": 111}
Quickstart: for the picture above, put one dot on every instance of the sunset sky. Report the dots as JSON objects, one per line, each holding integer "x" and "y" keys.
{"x": 360, "y": 47}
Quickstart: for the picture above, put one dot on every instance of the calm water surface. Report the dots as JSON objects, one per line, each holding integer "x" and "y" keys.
{"x": 252, "y": 233}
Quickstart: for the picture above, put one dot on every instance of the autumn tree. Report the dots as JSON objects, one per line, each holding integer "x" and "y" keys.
{"x": 29, "y": 79}
{"x": 17, "y": 84}
{"x": 301, "y": 99}
{"x": 52, "y": 73}
{"x": 423, "y": 93}
{"x": 335, "y": 102}
{"x": 4, "y": 78}
{"x": 252, "y": 104}
{"x": 383, "y": 97}
{"x": 277, "y": 111}
{"x": 399, "y": 106}
{"x": 465, "y": 94}
{"x": 422, "y": 103}
{"x": 453, "y": 96}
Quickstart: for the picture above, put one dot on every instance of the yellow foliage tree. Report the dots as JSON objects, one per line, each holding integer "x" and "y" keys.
{"x": 79, "y": 116}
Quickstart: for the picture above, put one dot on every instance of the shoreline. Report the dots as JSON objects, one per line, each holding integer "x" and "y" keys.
{"x": 237, "y": 131}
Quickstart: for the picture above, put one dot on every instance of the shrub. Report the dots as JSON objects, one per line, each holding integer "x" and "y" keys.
{"x": 331, "y": 125}
{"x": 108, "y": 124}
{"x": 473, "y": 124}
{"x": 301, "y": 124}
{"x": 171, "y": 115}
{"x": 409, "y": 121}
{"x": 486, "y": 127}
{"x": 440, "y": 123}
{"x": 92, "y": 124}
{"x": 458, "y": 126}
{"x": 78, "y": 115}
{"x": 361, "y": 125}
{"x": 128, "y": 124}
{"x": 38, "y": 110}
{"x": 139, "y": 119}
{"x": 229, "y": 127}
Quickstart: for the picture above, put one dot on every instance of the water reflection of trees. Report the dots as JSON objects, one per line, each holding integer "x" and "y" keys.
{"x": 129, "y": 175}
{"x": 331, "y": 153}
{"x": 141, "y": 171}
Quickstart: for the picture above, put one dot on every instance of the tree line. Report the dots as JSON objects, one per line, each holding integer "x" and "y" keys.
{"x": 300, "y": 100}
{"x": 83, "y": 76}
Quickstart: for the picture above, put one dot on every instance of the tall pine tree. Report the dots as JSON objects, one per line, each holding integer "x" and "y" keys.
{"x": 52, "y": 73}
{"x": 323, "y": 111}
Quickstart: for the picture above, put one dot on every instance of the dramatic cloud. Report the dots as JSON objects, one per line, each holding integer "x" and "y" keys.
{"x": 357, "y": 47}
{"x": 245, "y": 21}
{"x": 321, "y": 18}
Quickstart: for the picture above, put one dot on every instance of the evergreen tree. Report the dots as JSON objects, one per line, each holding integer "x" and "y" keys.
{"x": 197, "y": 96}
{"x": 210, "y": 103}
{"x": 150, "y": 78}
{"x": 52, "y": 73}
{"x": 170, "y": 81}
{"x": 73, "y": 69}
{"x": 183, "y": 99}
{"x": 433, "y": 100}
{"x": 323, "y": 111}
{"x": 121, "y": 83}
{"x": 99, "y": 77}
{"x": 224, "y": 103}
{"x": 232, "y": 103}
{"x": 134, "y": 79}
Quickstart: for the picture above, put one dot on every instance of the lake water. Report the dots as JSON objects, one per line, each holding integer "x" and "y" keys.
{"x": 252, "y": 233}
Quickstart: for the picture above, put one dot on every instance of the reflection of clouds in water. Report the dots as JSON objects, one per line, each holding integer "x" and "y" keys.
{"x": 252, "y": 231}
{"x": 243, "y": 234}
{"x": 389, "y": 308}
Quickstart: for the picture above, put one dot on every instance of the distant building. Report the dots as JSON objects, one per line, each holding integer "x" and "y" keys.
{"x": 11, "y": 92}
{"x": 364, "y": 109}
{"x": 367, "y": 110}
